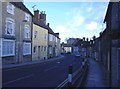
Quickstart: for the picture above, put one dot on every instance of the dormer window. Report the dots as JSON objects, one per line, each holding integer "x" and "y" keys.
{"x": 10, "y": 8}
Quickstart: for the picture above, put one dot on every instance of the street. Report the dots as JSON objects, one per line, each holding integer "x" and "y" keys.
{"x": 47, "y": 74}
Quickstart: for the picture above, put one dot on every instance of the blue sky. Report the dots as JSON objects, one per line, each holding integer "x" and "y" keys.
{"x": 73, "y": 19}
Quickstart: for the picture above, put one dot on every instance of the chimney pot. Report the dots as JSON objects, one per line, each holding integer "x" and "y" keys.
{"x": 48, "y": 24}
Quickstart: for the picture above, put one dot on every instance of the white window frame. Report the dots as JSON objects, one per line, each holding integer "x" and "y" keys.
{"x": 35, "y": 34}
{"x": 50, "y": 37}
{"x": 56, "y": 39}
{"x": 50, "y": 50}
{"x": 45, "y": 48}
{"x": 10, "y": 8}
{"x": 12, "y": 54}
{"x": 10, "y": 20}
{"x": 27, "y": 17}
{"x": 24, "y": 51}
{"x": 25, "y": 31}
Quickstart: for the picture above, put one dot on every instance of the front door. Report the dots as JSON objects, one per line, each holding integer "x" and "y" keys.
{"x": 38, "y": 51}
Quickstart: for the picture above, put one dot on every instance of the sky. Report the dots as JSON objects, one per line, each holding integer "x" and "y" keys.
{"x": 73, "y": 19}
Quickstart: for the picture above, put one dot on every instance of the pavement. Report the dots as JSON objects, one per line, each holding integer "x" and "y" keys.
{"x": 97, "y": 75}
{"x": 30, "y": 62}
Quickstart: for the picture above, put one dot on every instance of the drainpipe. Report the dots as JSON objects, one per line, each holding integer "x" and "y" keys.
{"x": 110, "y": 49}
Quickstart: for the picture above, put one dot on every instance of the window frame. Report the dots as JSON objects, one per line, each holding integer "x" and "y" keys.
{"x": 10, "y": 7}
{"x": 29, "y": 33}
{"x": 50, "y": 37}
{"x": 45, "y": 48}
{"x": 13, "y": 50}
{"x": 28, "y": 53}
{"x": 35, "y": 34}
{"x": 10, "y": 20}
{"x": 27, "y": 17}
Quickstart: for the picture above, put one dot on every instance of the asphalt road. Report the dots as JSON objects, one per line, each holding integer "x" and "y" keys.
{"x": 47, "y": 74}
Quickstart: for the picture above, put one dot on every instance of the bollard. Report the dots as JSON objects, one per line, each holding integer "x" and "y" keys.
{"x": 70, "y": 77}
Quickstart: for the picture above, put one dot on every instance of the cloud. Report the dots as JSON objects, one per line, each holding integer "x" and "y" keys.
{"x": 78, "y": 20}
{"x": 84, "y": 21}
{"x": 60, "y": 28}
{"x": 92, "y": 26}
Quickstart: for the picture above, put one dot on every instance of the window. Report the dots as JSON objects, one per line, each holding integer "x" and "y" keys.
{"x": 50, "y": 50}
{"x": 27, "y": 17}
{"x": 26, "y": 48}
{"x": 56, "y": 39}
{"x": 35, "y": 49}
{"x": 10, "y": 24}
{"x": 8, "y": 48}
{"x": 0, "y": 47}
{"x": 27, "y": 31}
{"x": 10, "y": 8}
{"x": 35, "y": 34}
{"x": 44, "y": 48}
{"x": 50, "y": 37}
{"x": 45, "y": 37}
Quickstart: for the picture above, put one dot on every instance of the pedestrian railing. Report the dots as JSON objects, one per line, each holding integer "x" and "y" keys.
{"x": 75, "y": 79}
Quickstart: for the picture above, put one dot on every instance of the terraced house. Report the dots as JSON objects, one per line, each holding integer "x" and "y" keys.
{"x": 15, "y": 38}
{"x": 58, "y": 47}
{"x": 39, "y": 36}
{"x": 53, "y": 43}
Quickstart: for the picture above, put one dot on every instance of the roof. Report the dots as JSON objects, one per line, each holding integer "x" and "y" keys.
{"x": 56, "y": 34}
{"x": 39, "y": 23}
{"x": 85, "y": 44}
{"x": 50, "y": 31}
{"x": 21, "y": 6}
{"x": 67, "y": 45}
{"x": 108, "y": 9}
{"x": 76, "y": 42}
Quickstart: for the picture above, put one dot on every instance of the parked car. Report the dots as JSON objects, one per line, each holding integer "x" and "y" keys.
{"x": 77, "y": 54}
{"x": 68, "y": 53}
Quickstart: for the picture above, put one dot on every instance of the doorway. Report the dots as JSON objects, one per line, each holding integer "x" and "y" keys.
{"x": 38, "y": 51}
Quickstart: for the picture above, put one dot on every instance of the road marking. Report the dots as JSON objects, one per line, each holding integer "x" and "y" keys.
{"x": 18, "y": 79}
{"x": 51, "y": 68}
{"x": 62, "y": 84}
{"x": 66, "y": 80}
{"x": 11, "y": 69}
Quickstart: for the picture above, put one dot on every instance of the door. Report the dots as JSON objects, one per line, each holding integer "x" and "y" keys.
{"x": 38, "y": 51}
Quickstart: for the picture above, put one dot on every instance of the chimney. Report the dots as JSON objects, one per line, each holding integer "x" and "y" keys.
{"x": 100, "y": 33}
{"x": 36, "y": 14}
{"x": 48, "y": 24}
{"x": 43, "y": 16}
{"x": 83, "y": 38}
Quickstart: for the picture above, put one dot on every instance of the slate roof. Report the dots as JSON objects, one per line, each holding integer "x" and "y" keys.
{"x": 21, "y": 6}
{"x": 67, "y": 45}
{"x": 77, "y": 42}
{"x": 50, "y": 31}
